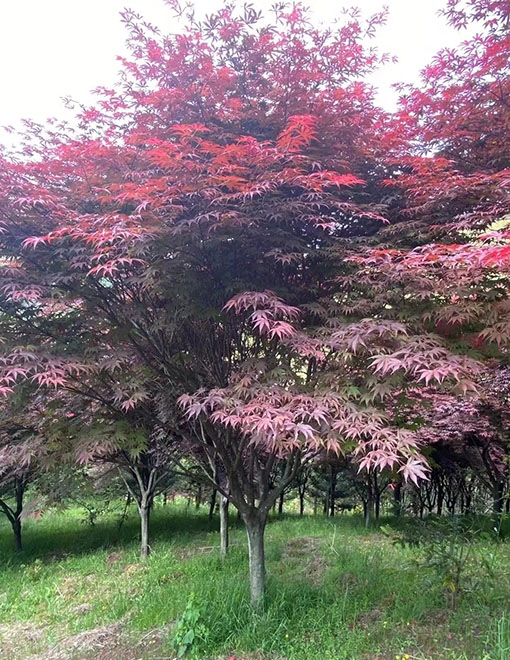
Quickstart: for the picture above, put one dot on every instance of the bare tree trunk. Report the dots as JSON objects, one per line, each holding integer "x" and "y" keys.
{"x": 143, "y": 494}
{"x": 16, "y": 528}
{"x": 377, "y": 497}
{"x": 15, "y": 520}
{"x": 369, "y": 510}
{"x": 332, "y": 491}
{"x": 16, "y": 523}
{"x": 440, "y": 500}
{"x": 397, "y": 499}
{"x": 369, "y": 502}
{"x": 144, "y": 510}
{"x": 280, "y": 503}
{"x": 14, "y": 515}
{"x": 498, "y": 498}
{"x": 302, "y": 483}
{"x": 223, "y": 526}
{"x": 198, "y": 497}
{"x": 255, "y": 526}
{"x": 212, "y": 504}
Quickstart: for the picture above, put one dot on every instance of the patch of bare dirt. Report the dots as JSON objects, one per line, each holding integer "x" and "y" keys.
{"x": 307, "y": 551}
{"x": 367, "y": 620}
{"x": 302, "y": 545}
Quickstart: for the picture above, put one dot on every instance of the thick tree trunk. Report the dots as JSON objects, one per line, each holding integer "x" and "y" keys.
{"x": 255, "y": 526}
{"x": 16, "y": 528}
{"x": 223, "y": 526}
{"x": 144, "y": 510}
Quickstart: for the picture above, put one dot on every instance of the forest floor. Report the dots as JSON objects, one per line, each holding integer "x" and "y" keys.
{"x": 336, "y": 591}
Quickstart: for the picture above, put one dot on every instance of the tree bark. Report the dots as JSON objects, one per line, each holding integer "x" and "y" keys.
{"x": 280, "y": 503}
{"x": 332, "y": 491}
{"x": 440, "y": 500}
{"x": 198, "y": 497}
{"x": 377, "y": 497}
{"x": 255, "y": 526}
{"x": 497, "y": 498}
{"x": 14, "y": 515}
{"x": 302, "y": 504}
{"x": 143, "y": 494}
{"x": 212, "y": 504}
{"x": 16, "y": 528}
{"x": 369, "y": 510}
{"x": 397, "y": 499}
{"x": 223, "y": 526}
{"x": 144, "y": 510}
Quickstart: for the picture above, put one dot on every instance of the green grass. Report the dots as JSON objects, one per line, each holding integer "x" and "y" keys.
{"x": 334, "y": 591}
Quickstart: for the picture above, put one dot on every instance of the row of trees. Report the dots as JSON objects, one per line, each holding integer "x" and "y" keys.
{"x": 236, "y": 264}
{"x": 458, "y": 484}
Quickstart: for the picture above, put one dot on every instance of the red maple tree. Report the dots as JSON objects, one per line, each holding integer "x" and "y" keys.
{"x": 192, "y": 256}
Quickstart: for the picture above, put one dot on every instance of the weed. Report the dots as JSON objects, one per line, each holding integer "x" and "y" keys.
{"x": 189, "y": 629}
{"x": 498, "y": 641}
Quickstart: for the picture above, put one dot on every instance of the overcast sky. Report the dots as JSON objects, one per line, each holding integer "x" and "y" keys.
{"x": 55, "y": 48}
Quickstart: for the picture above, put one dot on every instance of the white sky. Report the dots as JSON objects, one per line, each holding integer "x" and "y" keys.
{"x": 55, "y": 48}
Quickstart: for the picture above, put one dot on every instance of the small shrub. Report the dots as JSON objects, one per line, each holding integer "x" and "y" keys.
{"x": 450, "y": 547}
{"x": 189, "y": 629}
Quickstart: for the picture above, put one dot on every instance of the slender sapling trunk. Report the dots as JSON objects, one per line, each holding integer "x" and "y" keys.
{"x": 223, "y": 526}
{"x": 144, "y": 510}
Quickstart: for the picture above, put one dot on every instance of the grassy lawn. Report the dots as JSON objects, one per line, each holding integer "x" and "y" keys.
{"x": 335, "y": 591}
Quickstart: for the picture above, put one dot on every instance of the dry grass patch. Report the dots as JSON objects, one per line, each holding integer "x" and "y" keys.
{"x": 111, "y": 642}
{"x": 306, "y": 552}
{"x": 19, "y": 640}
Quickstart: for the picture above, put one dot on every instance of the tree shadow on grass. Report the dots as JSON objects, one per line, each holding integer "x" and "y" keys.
{"x": 59, "y": 535}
